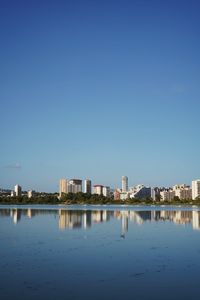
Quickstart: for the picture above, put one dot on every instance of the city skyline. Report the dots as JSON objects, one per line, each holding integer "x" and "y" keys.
{"x": 139, "y": 191}
{"x": 99, "y": 89}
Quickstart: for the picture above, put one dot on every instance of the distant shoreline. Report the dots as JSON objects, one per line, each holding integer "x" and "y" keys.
{"x": 156, "y": 204}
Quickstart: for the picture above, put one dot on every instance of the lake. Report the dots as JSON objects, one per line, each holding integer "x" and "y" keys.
{"x": 99, "y": 252}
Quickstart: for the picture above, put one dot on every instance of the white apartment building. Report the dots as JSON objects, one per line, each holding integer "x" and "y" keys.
{"x": 167, "y": 195}
{"x": 63, "y": 188}
{"x": 30, "y": 194}
{"x": 98, "y": 189}
{"x": 87, "y": 186}
{"x": 140, "y": 191}
{"x": 70, "y": 186}
{"x": 74, "y": 186}
{"x": 18, "y": 190}
{"x": 195, "y": 189}
{"x": 124, "y": 195}
{"x": 124, "y": 184}
{"x": 182, "y": 191}
{"x": 106, "y": 191}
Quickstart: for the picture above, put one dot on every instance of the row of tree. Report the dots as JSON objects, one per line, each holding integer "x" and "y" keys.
{"x": 83, "y": 198}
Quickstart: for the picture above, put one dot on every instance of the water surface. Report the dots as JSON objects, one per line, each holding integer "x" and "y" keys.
{"x": 99, "y": 252}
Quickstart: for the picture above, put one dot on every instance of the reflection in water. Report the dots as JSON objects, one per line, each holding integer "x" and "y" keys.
{"x": 72, "y": 219}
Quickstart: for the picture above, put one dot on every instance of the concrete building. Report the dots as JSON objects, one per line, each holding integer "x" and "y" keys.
{"x": 124, "y": 196}
{"x": 167, "y": 195}
{"x": 18, "y": 190}
{"x": 87, "y": 186}
{"x": 124, "y": 184}
{"x": 117, "y": 194}
{"x": 74, "y": 186}
{"x": 182, "y": 191}
{"x": 195, "y": 189}
{"x": 63, "y": 187}
{"x": 30, "y": 194}
{"x": 12, "y": 194}
{"x": 98, "y": 189}
{"x": 140, "y": 192}
{"x": 155, "y": 194}
{"x": 106, "y": 191}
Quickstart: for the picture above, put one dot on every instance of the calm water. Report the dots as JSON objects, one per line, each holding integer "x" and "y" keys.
{"x": 99, "y": 252}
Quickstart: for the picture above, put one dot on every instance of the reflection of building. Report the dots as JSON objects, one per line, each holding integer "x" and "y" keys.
{"x": 77, "y": 219}
{"x": 196, "y": 220}
{"x": 29, "y": 213}
{"x": 124, "y": 218}
{"x": 195, "y": 189}
{"x": 16, "y": 214}
{"x": 18, "y": 190}
{"x": 81, "y": 219}
{"x": 124, "y": 184}
{"x": 69, "y": 219}
{"x": 87, "y": 186}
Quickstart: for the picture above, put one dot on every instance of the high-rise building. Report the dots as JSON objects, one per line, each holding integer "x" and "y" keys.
{"x": 18, "y": 190}
{"x": 63, "y": 187}
{"x": 182, "y": 191}
{"x": 195, "y": 189}
{"x": 98, "y": 189}
{"x": 155, "y": 194}
{"x": 167, "y": 195}
{"x": 106, "y": 191}
{"x": 124, "y": 184}
{"x": 87, "y": 186}
{"x": 74, "y": 186}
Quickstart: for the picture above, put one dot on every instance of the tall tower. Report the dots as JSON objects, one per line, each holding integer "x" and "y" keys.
{"x": 75, "y": 186}
{"x": 195, "y": 189}
{"x": 63, "y": 187}
{"x": 124, "y": 184}
{"x": 87, "y": 186}
{"x": 18, "y": 190}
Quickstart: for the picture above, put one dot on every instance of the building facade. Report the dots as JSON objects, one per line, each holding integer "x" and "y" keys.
{"x": 124, "y": 184}
{"x": 87, "y": 186}
{"x": 18, "y": 190}
{"x": 98, "y": 189}
{"x": 167, "y": 195}
{"x": 63, "y": 187}
{"x": 183, "y": 191}
{"x": 117, "y": 194}
{"x": 140, "y": 192}
{"x": 74, "y": 186}
{"x": 195, "y": 189}
{"x": 106, "y": 191}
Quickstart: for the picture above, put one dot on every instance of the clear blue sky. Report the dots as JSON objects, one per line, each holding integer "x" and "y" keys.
{"x": 99, "y": 89}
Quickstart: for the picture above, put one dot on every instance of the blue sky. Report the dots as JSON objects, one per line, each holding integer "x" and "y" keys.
{"x": 99, "y": 89}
